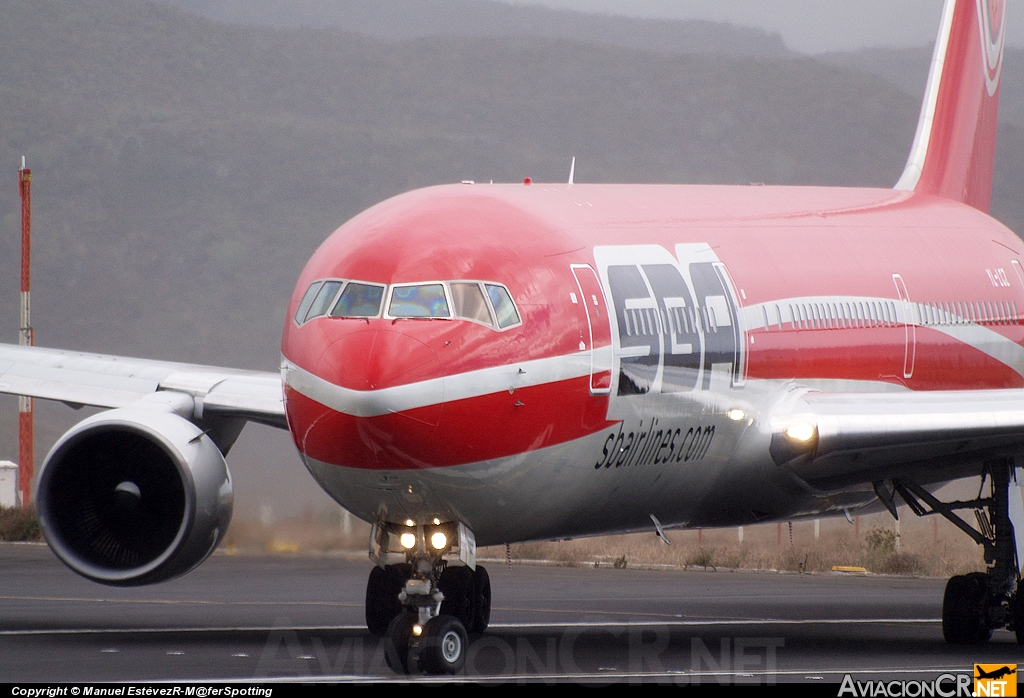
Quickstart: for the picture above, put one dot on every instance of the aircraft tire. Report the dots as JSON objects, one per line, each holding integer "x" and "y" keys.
{"x": 397, "y": 643}
{"x": 963, "y": 610}
{"x": 1017, "y": 615}
{"x": 458, "y": 584}
{"x": 482, "y": 587}
{"x": 382, "y": 588}
{"x": 443, "y": 646}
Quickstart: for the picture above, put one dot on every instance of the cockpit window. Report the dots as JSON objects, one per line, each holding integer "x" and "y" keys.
{"x": 487, "y": 303}
{"x": 470, "y": 303}
{"x": 425, "y": 301}
{"x": 504, "y": 308}
{"x": 323, "y": 299}
{"x": 359, "y": 300}
{"x": 307, "y": 300}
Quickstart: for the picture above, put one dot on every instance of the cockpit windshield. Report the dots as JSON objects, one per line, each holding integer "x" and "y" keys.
{"x": 504, "y": 308}
{"x": 486, "y": 303}
{"x": 421, "y": 301}
{"x": 323, "y": 299}
{"x": 359, "y": 300}
{"x": 470, "y": 303}
{"x": 307, "y": 300}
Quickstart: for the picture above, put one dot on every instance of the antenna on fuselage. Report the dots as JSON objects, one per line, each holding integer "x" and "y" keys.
{"x": 660, "y": 531}
{"x": 572, "y": 170}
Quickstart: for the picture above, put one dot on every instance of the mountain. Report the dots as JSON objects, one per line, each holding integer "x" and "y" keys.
{"x": 907, "y": 68}
{"x": 408, "y": 19}
{"x": 184, "y": 169}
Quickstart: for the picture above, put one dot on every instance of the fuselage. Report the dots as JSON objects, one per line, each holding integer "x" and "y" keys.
{"x": 653, "y": 329}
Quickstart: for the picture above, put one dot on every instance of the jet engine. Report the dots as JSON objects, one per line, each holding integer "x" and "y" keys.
{"x": 134, "y": 496}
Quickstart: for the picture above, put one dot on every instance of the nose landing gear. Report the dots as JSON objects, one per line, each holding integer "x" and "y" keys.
{"x": 976, "y": 604}
{"x": 425, "y": 607}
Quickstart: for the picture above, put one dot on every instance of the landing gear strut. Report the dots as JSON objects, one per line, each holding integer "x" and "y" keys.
{"x": 425, "y": 607}
{"x": 976, "y": 604}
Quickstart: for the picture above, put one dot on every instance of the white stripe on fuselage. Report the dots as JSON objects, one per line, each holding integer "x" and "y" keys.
{"x": 487, "y": 381}
{"x": 979, "y": 337}
{"x": 460, "y": 386}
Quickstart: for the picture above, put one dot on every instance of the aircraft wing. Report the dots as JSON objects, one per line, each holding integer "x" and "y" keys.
{"x": 114, "y": 381}
{"x": 836, "y": 440}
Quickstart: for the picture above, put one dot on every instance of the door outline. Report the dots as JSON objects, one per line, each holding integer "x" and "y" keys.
{"x": 909, "y": 327}
{"x": 592, "y": 303}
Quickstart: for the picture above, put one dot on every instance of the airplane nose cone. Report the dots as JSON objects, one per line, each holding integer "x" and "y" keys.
{"x": 377, "y": 359}
{"x": 385, "y": 417}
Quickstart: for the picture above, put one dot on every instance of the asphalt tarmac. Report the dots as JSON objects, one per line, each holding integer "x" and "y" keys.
{"x": 278, "y": 618}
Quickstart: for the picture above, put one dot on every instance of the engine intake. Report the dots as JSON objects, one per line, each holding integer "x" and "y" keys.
{"x": 134, "y": 496}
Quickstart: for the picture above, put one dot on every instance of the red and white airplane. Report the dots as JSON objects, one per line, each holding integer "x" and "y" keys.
{"x": 482, "y": 364}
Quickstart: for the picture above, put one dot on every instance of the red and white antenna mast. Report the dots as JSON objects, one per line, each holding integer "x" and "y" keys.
{"x": 26, "y": 337}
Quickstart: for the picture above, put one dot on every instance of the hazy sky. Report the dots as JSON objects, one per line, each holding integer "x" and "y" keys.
{"x": 810, "y": 26}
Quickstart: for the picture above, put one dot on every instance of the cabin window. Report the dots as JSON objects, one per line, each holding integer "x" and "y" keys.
{"x": 420, "y": 301}
{"x": 359, "y": 300}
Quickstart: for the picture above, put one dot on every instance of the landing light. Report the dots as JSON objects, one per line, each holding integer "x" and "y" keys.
{"x": 408, "y": 540}
{"x": 736, "y": 415}
{"x": 417, "y": 630}
{"x": 439, "y": 540}
{"x": 801, "y": 432}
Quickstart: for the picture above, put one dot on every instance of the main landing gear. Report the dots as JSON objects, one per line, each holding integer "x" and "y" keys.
{"x": 976, "y": 604}
{"x": 425, "y": 607}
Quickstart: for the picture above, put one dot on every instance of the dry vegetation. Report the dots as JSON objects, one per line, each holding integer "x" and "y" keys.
{"x": 308, "y": 533}
{"x": 927, "y": 547}
{"x": 19, "y": 525}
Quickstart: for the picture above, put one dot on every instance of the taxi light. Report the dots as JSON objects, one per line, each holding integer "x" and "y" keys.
{"x": 410, "y": 523}
{"x": 408, "y": 540}
{"x": 438, "y": 540}
{"x": 736, "y": 415}
{"x": 417, "y": 630}
{"x": 801, "y": 432}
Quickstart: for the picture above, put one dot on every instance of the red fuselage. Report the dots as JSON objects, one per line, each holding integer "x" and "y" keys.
{"x": 867, "y": 289}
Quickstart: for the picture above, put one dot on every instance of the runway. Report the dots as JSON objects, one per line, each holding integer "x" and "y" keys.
{"x": 277, "y": 618}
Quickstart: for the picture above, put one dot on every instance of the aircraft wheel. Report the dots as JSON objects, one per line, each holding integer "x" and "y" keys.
{"x": 482, "y": 617}
{"x": 963, "y": 610}
{"x": 459, "y": 589}
{"x": 382, "y": 589}
{"x": 443, "y": 646}
{"x": 398, "y": 641}
{"x": 1017, "y": 615}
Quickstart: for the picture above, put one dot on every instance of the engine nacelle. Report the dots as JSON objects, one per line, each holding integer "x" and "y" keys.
{"x": 134, "y": 496}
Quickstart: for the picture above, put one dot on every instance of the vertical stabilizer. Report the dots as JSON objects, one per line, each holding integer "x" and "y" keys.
{"x": 955, "y": 142}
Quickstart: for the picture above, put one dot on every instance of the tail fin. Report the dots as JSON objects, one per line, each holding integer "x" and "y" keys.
{"x": 955, "y": 143}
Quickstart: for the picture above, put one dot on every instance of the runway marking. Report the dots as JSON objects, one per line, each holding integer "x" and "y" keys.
{"x": 708, "y": 622}
{"x": 600, "y": 677}
{"x": 670, "y": 618}
{"x": 184, "y": 602}
{"x": 492, "y": 627}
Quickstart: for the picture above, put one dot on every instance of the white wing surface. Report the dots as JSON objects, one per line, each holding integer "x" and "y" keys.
{"x": 837, "y": 440}
{"x": 115, "y": 381}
